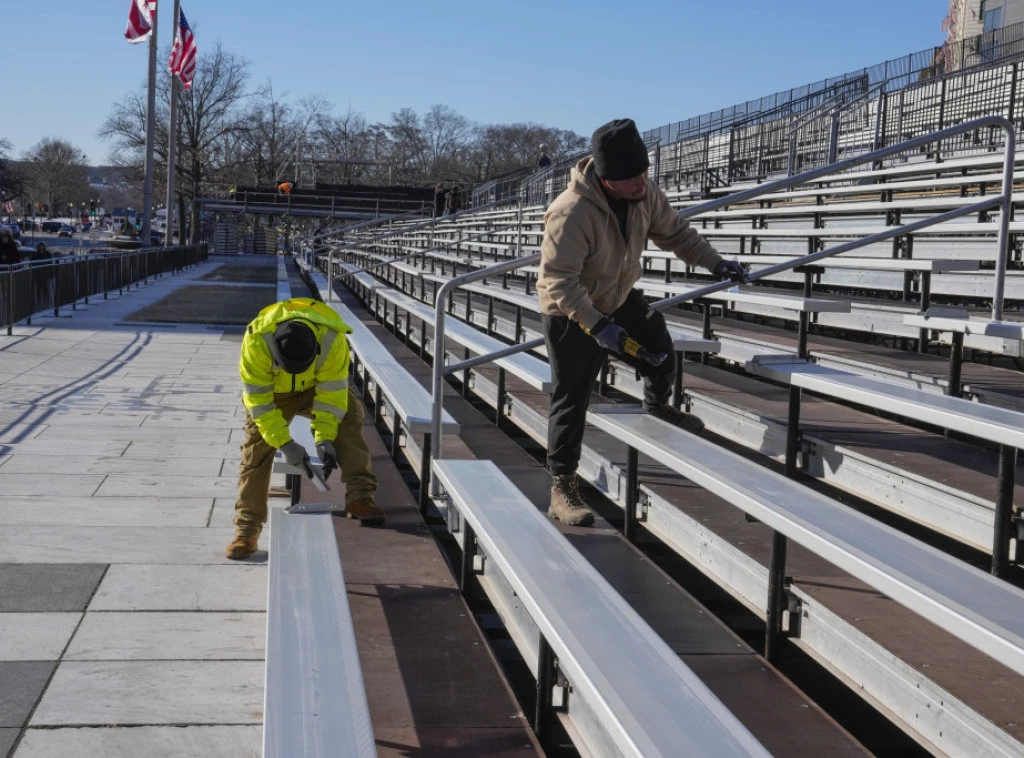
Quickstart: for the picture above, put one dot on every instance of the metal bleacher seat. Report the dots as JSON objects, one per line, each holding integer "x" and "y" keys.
{"x": 627, "y": 693}
{"x": 970, "y": 604}
{"x": 315, "y": 702}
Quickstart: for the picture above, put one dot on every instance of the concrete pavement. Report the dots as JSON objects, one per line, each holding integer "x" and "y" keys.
{"x": 123, "y": 629}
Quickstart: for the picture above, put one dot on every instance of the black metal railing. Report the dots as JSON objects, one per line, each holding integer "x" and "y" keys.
{"x": 41, "y": 286}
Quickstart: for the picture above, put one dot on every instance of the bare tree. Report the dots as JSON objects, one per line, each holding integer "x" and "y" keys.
{"x": 446, "y": 133}
{"x": 276, "y": 132}
{"x": 58, "y": 173}
{"x": 209, "y": 123}
{"x": 344, "y": 145}
{"x": 13, "y": 179}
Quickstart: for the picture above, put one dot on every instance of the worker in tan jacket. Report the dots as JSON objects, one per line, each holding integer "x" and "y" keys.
{"x": 594, "y": 234}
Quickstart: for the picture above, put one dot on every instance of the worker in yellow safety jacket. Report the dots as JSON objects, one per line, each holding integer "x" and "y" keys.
{"x": 295, "y": 361}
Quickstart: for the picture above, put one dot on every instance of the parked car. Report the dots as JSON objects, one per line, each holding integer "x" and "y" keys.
{"x": 15, "y": 230}
{"x": 51, "y": 226}
{"x": 65, "y": 231}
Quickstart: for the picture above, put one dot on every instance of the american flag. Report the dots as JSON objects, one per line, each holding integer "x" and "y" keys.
{"x": 183, "y": 54}
{"x": 140, "y": 20}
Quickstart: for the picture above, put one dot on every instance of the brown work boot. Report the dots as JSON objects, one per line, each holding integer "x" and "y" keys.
{"x": 567, "y": 504}
{"x": 685, "y": 421}
{"x": 365, "y": 511}
{"x": 242, "y": 547}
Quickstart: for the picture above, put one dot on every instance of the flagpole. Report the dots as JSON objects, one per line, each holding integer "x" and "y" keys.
{"x": 147, "y": 191}
{"x": 172, "y": 140}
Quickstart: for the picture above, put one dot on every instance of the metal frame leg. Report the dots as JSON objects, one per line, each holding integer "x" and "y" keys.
{"x": 776, "y": 596}
{"x": 632, "y": 493}
{"x": 545, "y": 681}
{"x": 1004, "y": 511}
{"x": 956, "y": 359}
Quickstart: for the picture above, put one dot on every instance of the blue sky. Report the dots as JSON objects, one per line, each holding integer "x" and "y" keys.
{"x": 570, "y": 64}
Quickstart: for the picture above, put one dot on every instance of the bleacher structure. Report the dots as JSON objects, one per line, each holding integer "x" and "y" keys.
{"x": 855, "y": 493}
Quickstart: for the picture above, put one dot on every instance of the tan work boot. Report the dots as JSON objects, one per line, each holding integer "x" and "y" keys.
{"x": 365, "y": 511}
{"x": 242, "y": 547}
{"x": 567, "y": 504}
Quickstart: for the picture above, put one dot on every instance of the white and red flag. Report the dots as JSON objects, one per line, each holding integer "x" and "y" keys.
{"x": 183, "y": 54}
{"x": 140, "y": 21}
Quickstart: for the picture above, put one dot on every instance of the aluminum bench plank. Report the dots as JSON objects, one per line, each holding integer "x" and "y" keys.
{"x": 839, "y": 231}
{"x": 531, "y": 370}
{"x": 980, "y": 609}
{"x": 987, "y": 422}
{"x": 1010, "y": 330}
{"x": 870, "y": 264}
{"x": 315, "y": 701}
{"x": 410, "y": 400}
{"x": 749, "y": 297}
{"x": 647, "y": 700}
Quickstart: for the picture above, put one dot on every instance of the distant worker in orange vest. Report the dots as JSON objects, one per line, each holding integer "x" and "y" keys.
{"x": 285, "y": 188}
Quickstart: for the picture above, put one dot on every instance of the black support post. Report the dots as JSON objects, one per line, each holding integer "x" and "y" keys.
{"x": 424, "y": 494}
{"x": 466, "y": 563}
{"x": 545, "y": 682}
{"x": 1004, "y": 511}
{"x": 956, "y": 360}
{"x": 632, "y": 493}
{"x": 776, "y": 597}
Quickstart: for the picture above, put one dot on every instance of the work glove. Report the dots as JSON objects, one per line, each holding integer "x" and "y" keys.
{"x": 328, "y": 456}
{"x": 294, "y": 453}
{"x": 731, "y": 270}
{"x": 608, "y": 335}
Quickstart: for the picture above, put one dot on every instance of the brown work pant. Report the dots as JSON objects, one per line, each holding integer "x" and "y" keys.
{"x": 258, "y": 460}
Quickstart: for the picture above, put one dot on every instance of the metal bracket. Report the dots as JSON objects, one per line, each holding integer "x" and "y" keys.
{"x": 560, "y": 690}
{"x": 316, "y": 508}
{"x": 644, "y": 506}
{"x": 794, "y": 609}
{"x": 1018, "y": 531}
{"x": 479, "y": 560}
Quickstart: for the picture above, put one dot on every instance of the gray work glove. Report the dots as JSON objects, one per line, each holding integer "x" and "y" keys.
{"x": 608, "y": 335}
{"x": 328, "y": 456}
{"x": 294, "y": 453}
{"x": 731, "y": 270}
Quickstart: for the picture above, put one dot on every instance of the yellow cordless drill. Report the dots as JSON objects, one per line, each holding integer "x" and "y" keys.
{"x": 629, "y": 346}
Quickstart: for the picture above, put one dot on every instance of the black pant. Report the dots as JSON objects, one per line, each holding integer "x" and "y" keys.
{"x": 576, "y": 359}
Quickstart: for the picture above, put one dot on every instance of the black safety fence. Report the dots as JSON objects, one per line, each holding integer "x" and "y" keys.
{"x": 44, "y": 286}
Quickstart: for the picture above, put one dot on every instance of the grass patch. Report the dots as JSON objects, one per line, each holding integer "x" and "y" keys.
{"x": 235, "y": 272}
{"x": 208, "y": 304}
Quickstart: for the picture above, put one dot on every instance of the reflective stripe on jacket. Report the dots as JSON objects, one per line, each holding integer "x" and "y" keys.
{"x": 262, "y": 378}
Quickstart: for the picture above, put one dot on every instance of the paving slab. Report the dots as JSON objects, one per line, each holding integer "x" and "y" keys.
{"x": 169, "y": 636}
{"x": 104, "y": 511}
{"x": 7, "y": 738}
{"x": 167, "y": 486}
{"x": 33, "y": 587}
{"x": 53, "y": 485}
{"x": 35, "y": 636}
{"x": 21, "y": 684}
{"x": 148, "y": 741}
{"x": 76, "y": 544}
{"x": 64, "y": 465}
{"x": 153, "y": 692}
{"x": 232, "y": 586}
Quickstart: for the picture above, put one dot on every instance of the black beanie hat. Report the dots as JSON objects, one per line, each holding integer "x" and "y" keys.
{"x": 619, "y": 152}
{"x": 295, "y": 346}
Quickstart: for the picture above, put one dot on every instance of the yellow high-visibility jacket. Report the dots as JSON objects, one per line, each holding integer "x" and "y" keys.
{"x": 262, "y": 377}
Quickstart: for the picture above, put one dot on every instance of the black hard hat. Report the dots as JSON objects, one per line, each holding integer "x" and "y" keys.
{"x": 295, "y": 346}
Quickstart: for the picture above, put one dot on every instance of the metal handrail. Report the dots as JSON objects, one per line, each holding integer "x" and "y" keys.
{"x": 360, "y": 225}
{"x": 436, "y": 249}
{"x": 405, "y": 230}
{"x": 1003, "y": 200}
